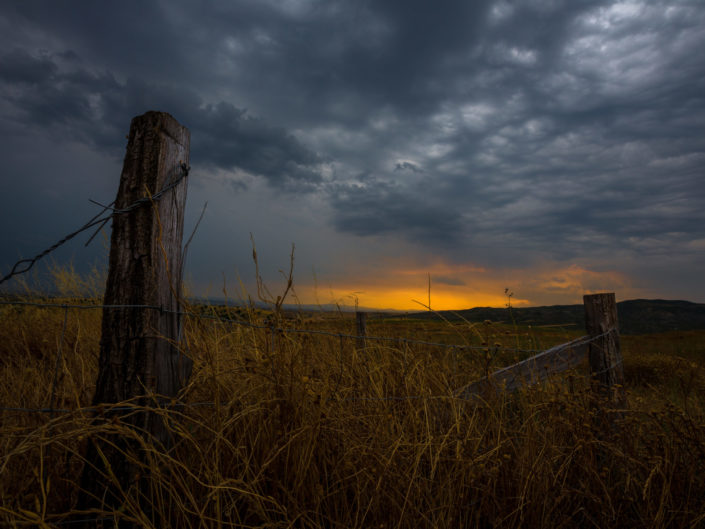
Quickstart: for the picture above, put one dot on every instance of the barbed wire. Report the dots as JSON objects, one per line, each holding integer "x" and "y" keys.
{"x": 108, "y": 407}
{"x": 276, "y": 329}
{"x": 617, "y": 364}
{"x": 84, "y": 520}
{"x": 456, "y": 395}
{"x": 101, "y": 219}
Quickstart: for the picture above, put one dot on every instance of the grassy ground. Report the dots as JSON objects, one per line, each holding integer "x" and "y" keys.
{"x": 302, "y": 430}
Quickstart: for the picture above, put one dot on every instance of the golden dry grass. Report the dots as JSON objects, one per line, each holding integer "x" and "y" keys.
{"x": 300, "y": 430}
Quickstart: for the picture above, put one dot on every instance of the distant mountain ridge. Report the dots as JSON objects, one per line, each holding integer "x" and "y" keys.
{"x": 637, "y": 316}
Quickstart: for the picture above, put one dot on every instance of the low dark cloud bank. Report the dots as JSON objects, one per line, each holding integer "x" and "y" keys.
{"x": 535, "y": 130}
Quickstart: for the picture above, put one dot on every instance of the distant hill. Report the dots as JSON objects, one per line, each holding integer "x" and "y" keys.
{"x": 656, "y": 315}
{"x": 637, "y": 316}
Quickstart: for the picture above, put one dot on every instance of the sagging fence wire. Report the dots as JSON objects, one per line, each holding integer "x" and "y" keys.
{"x": 99, "y": 220}
{"x": 172, "y": 405}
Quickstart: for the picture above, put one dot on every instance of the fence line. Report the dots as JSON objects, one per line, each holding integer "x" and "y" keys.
{"x": 457, "y": 395}
{"x": 107, "y": 407}
{"x": 465, "y": 393}
{"x": 406, "y": 341}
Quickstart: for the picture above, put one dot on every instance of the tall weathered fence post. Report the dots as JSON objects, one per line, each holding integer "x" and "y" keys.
{"x": 360, "y": 329}
{"x": 139, "y": 352}
{"x": 604, "y": 352}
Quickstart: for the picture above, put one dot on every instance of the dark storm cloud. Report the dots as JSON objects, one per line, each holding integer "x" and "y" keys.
{"x": 559, "y": 130}
{"x": 535, "y": 129}
{"x": 20, "y": 67}
{"x": 232, "y": 139}
{"x": 407, "y": 166}
{"x": 48, "y": 92}
{"x": 46, "y": 96}
{"x": 372, "y": 207}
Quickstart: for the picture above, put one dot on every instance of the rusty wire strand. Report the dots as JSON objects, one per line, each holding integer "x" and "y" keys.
{"x": 101, "y": 219}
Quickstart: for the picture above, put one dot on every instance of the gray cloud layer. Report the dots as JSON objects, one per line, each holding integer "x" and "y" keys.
{"x": 502, "y": 132}
{"x": 57, "y": 92}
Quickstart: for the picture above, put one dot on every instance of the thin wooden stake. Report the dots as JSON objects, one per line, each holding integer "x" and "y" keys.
{"x": 361, "y": 329}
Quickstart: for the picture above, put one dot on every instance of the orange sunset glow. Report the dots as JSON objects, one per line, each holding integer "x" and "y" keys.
{"x": 462, "y": 287}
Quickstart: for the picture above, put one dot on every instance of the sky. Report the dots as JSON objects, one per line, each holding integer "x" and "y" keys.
{"x": 541, "y": 148}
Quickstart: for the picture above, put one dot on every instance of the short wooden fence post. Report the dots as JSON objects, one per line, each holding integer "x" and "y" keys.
{"x": 139, "y": 352}
{"x": 604, "y": 351}
{"x": 361, "y": 329}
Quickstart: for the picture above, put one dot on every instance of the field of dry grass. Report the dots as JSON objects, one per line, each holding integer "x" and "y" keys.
{"x": 305, "y": 430}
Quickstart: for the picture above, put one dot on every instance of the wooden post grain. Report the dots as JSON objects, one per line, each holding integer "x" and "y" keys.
{"x": 139, "y": 352}
{"x": 361, "y": 329}
{"x": 604, "y": 352}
